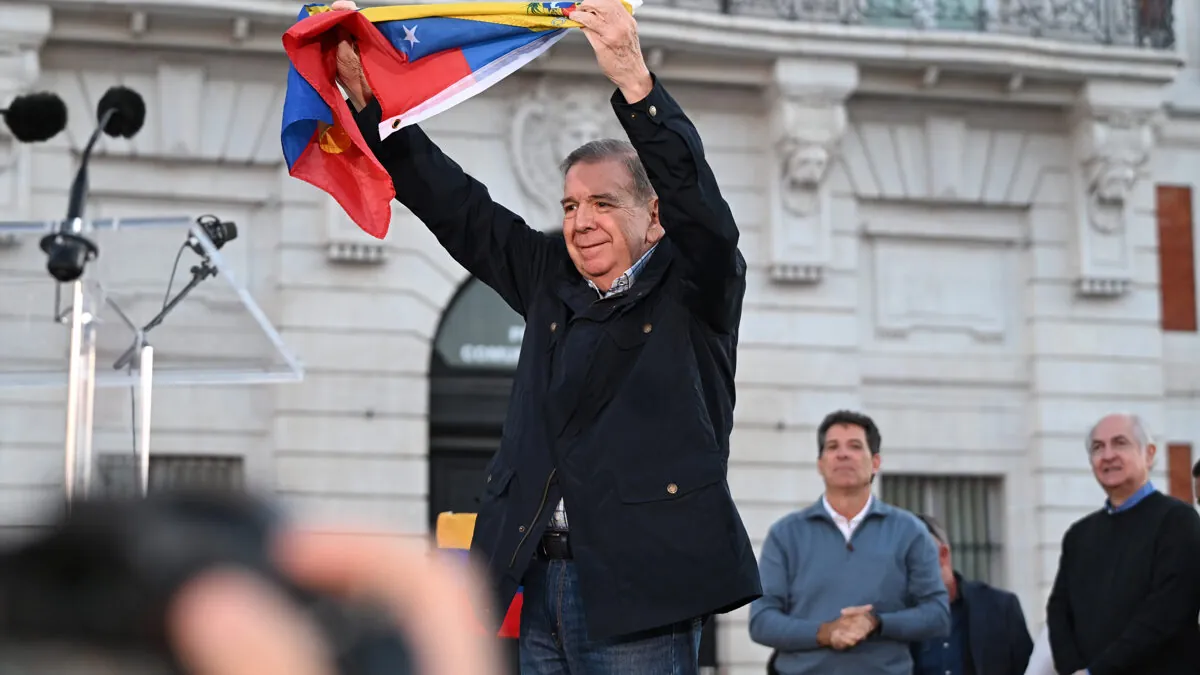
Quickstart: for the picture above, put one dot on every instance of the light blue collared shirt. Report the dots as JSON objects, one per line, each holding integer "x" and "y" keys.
{"x": 625, "y": 281}
{"x": 1133, "y": 500}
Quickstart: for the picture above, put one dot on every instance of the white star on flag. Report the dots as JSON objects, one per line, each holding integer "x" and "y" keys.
{"x": 410, "y": 35}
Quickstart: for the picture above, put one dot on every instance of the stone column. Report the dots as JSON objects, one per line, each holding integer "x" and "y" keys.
{"x": 22, "y": 33}
{"x": 807, "y": 117}
{"x": 1094, "y": 334}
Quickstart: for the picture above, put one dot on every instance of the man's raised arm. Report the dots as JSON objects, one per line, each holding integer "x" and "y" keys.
{"x": 692, "y": 211}
{"x": 491, "y": 242}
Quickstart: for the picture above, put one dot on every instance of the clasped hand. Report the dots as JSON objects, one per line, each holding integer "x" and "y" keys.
{"x": 851, "y": 628}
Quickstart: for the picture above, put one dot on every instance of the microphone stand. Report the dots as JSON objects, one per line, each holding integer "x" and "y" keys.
{"x": 199, "y": 273}
{"x": 81, "y": 364}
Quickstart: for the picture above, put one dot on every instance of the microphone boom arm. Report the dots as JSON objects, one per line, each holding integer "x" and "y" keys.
{"x": 79, "y": 186}
{"x": 199, "y": 273}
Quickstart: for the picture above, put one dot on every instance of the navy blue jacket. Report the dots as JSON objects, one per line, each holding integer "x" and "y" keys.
{"x": 621, "y": 406}
{"x": 997, "y": 636}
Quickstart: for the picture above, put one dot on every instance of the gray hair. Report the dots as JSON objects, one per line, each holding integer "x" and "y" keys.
{"x": 1137, "y": 426}
{"x": 611, "y": 148}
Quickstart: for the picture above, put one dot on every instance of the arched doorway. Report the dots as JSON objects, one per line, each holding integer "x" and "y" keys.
{"x": 475, "y": 353}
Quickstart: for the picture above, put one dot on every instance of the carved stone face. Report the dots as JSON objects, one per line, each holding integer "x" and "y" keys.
{"x": 1114, "y": 183}
{"x": 805, "y": 166}
{"x": 582, "y": 120}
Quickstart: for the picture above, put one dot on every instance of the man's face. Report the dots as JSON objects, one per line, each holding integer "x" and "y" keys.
{"x": 1117, "y": 458}
{"x": 606, "y": 227}
{"x": 846, "y": 460}
{"x": 1196, "y": 488}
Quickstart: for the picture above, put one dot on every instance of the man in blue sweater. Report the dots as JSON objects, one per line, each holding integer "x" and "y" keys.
{"x": 850, "y": 581}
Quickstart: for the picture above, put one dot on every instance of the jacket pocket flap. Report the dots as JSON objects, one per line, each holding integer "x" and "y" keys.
{"x": 670, "y": 482}
{"x": 628, "y": 335}
{"x": 497, "y": 480}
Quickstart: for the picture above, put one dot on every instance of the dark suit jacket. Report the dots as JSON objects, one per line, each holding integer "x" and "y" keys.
{"x": 997, "y": 635}
{"x": 622, "y": 406}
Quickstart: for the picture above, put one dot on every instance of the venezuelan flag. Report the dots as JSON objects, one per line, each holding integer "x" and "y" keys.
{"x": 419, "y": 61}
{"x": 454, "y": 532}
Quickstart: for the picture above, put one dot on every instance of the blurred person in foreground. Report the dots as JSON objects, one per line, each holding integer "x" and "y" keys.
{"x": 1126, "y": 597}
{"x": 988, "y": 634}
{"x": 850, "y": 581}
{"x": 227, "y": 622}
{"x": 607, "y": 499}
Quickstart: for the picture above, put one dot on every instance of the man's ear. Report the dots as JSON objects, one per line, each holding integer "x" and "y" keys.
{"x": 655, "y": 232}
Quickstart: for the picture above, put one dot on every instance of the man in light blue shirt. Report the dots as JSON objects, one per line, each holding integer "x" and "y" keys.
{"x": 850, "y": 581}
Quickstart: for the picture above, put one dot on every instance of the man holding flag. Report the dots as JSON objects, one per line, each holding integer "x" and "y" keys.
{"x": 607, "y": 498}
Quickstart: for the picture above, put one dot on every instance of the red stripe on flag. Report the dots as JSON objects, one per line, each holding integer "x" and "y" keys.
{"x": 347, "y": 171}
{"x": 400, "y": 85}
{"x": 511, "y": 627}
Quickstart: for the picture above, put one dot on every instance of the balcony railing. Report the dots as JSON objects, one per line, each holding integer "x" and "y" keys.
{"x": 1142, "y": 23}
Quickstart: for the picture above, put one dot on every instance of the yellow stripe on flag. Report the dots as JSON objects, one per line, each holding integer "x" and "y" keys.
{"x": 531, "y": 15}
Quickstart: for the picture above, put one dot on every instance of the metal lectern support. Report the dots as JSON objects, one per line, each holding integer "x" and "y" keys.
{"x": 81, "y": 392}
{"x": 145, "y": 395}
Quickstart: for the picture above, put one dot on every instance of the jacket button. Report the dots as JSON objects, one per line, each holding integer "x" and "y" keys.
{"x": 489, "y": 479}
{"x": 521, "y": 528}
{"x": 647, "y": 328}
{"x": 553, "y": 326}
{"x": 672, "y": 488}
{"x": 653, "y": 111}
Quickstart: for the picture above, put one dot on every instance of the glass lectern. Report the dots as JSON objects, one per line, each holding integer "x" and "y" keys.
{"x": 162, "y": 306}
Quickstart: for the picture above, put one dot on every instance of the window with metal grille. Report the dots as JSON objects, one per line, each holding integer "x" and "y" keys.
{"x": 117, "y": 474}
{"x": 970, "y": 508}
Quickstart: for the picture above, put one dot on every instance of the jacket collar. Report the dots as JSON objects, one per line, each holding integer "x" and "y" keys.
{"x": 581, "y": 297}
{"x": 816, "y": 510}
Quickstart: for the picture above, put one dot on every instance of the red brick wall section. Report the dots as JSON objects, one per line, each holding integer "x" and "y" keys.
{"x": 1179, "y": 471}
{"x": 1176, "y": 258}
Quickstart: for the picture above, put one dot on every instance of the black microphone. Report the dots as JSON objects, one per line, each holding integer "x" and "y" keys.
{"x": 121, "y": 113}
{"x": 33, "y": 118}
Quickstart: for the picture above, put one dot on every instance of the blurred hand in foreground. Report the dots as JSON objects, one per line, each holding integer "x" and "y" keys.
{"x": 227, "y": 622}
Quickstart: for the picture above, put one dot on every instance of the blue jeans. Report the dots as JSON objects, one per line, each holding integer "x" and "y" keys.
{"x": 554, "y": 635}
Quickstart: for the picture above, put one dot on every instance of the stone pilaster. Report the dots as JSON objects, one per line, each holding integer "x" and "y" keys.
{"x": 807, "y": 119}
{"x": 22, "y": 33}
{"x": 1113, "y": 130}
{"x": 1095, "y": 345}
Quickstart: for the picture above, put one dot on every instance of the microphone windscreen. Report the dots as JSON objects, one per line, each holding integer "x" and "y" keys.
{"x": 36, "y": 117}
{"x": 131, "y": 111}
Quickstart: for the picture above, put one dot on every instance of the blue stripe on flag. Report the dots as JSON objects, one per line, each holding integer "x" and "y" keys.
{"x": 421, "y": 37}
{"x": 302, "y": 107}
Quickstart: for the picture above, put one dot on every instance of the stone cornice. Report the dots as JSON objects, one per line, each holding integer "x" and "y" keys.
{"x": 255, "y": 26}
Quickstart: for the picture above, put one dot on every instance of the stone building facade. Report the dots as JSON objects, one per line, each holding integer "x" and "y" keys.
{"x": 955, "y": 225}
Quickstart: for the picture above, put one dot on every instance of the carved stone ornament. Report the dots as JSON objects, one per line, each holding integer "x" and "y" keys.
{"x": 1115, "y": 150}
{"x": 806, "y": 134}
{"x": 19, "y": 69}
{"x": 550, "y": 122}
{"x": 1112, "y": 149}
